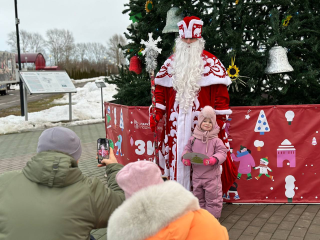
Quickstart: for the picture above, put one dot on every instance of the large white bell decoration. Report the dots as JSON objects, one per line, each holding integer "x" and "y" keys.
{"x": 172, "y": 20}
{"x": 278, "y": 61}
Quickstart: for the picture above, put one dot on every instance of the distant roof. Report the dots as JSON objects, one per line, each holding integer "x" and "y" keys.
{"x": 31, "y": 57}
{"x": 50, "y": 68}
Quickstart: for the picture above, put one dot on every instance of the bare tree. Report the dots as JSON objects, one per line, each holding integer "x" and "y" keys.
{"x": 97, "y": 51}
{"x": 81, "y": 53}
{"x": 36, "y": 43}
{"x": 90, "y": 55}
{"x": 29, "y": 42}
{"x": 12, "y": 41}
{"x": 114, "y": 51}
{"x": 60, "y": 43}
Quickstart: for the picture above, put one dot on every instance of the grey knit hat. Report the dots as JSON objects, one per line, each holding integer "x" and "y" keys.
{"x": 60, "y": 139}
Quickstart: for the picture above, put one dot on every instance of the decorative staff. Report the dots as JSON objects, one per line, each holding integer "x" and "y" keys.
{"x": 151, "y": 52}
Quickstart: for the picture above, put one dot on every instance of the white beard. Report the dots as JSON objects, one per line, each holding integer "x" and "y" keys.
{"x": 187, "y": 67}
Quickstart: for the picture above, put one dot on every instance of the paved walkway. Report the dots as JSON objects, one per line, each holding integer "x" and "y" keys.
{"x": 244, "y": 222}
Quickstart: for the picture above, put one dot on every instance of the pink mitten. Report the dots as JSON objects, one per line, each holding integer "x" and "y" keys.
{"x": 186, "y": 162}
{"x": 210, "y": 161}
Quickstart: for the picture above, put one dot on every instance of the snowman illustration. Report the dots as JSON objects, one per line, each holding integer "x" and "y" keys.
{"x": 264, "y": 168}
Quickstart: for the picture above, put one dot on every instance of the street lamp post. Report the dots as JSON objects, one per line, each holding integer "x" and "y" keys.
{"x": 50, "y": 59}
{"x": 105, "y": 66}
{"x": 19, "y": 57}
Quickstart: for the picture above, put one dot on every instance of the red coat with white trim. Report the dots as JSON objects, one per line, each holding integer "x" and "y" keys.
{"x": 179, "y": 126}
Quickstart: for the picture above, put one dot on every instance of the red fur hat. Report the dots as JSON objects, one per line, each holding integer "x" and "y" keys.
{"x": 190, "y": 27}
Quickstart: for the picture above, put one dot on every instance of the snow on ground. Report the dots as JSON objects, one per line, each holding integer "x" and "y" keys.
{"x": 96, "y": 79}
{"x": 15, "y": 87}
{"x": 86, "y": 108}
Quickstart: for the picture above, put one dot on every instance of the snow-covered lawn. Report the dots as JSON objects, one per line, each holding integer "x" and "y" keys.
{"x": 86, "y": 108}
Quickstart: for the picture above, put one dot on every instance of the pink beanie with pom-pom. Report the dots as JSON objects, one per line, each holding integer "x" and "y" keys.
{"x": 207, "y": 112}
{"x": 138, "y": 175}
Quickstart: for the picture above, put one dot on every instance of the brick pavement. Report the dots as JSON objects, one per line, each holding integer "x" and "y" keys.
{"x": 17, "y": 149}
{"x": 264, "y": 222}
{"x": 244, "y": 222}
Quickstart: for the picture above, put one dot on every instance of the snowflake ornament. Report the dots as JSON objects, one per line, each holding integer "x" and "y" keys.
{"x": 151, "y": 51}
{"x": 151, "y": 44}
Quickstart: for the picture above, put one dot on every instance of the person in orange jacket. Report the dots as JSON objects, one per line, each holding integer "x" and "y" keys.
{"x": 158, "y": 210}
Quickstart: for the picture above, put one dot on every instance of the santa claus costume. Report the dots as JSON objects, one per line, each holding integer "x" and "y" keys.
{"x": 189, "y": 80}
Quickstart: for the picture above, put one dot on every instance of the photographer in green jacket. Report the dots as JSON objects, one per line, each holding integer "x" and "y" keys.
{"x": 50, "y": 199}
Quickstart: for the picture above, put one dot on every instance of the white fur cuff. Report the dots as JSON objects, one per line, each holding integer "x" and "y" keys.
{"x": 223, "y": 112}
{"x": 160, "y": 106}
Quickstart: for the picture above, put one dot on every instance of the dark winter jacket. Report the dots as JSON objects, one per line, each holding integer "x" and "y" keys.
{"x": 51, "y": 199}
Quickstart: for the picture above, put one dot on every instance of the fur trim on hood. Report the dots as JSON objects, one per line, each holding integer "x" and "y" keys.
{"x": 150, "y": 210}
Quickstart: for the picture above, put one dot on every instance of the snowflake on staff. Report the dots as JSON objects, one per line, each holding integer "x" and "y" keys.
{"x": 151, "y": 52}
{"x": 151, "y": 44}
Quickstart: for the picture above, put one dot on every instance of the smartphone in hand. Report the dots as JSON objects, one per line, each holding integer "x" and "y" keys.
{"x": 103, "y": 149}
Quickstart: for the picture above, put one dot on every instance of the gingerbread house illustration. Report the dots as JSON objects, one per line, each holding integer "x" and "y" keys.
{"x": 286, "y": 152}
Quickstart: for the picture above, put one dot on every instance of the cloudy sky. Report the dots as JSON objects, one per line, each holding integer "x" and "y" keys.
{"x": 89, "y": 21}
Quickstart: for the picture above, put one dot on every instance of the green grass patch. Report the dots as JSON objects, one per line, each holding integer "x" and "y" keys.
{"x": 35, "y": 106}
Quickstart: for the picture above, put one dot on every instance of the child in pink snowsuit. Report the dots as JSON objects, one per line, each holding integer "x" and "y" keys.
{"x": 206, "y": 178}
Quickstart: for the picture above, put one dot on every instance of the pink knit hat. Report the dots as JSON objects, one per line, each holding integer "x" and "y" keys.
{"x": 207, "y": 112}
{"x": 137, "y": 175}
{"x": 204, "y": 136}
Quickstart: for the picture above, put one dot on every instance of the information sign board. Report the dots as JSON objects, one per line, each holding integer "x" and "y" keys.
{"x": 48, "y": 82}
{"x": 100, "y": 84}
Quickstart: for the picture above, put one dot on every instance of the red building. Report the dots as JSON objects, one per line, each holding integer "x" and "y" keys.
{"x": 37, "y": 59}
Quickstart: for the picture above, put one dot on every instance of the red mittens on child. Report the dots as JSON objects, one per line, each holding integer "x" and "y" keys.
{"x": 154, "y": 122}
{"x": 186, "y": 162}
{"x": 210, "y": 161}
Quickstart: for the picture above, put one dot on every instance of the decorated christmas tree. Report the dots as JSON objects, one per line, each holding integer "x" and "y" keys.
{"x": 262, "y": 125}
{"x": 260, "y": 42}
{"x": 133, "y": 89}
